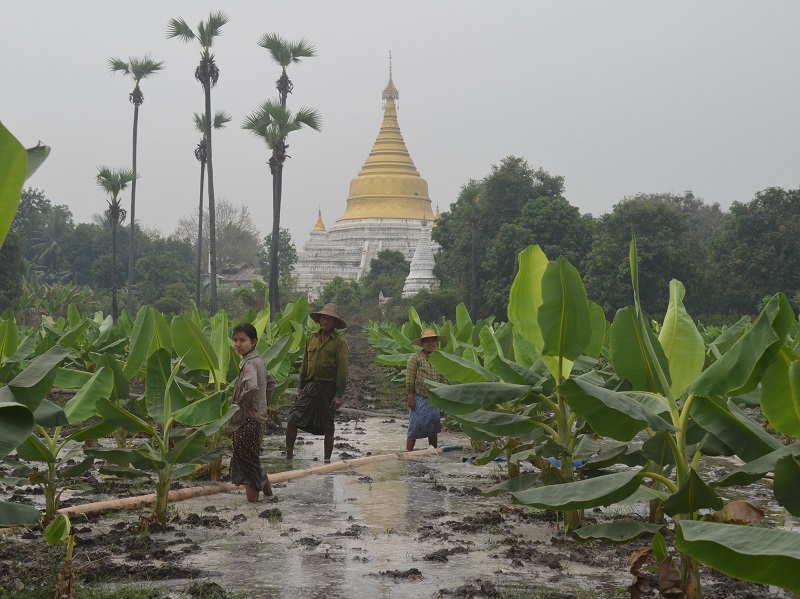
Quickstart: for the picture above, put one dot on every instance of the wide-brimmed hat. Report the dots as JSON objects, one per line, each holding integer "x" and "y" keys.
{"x": 331, "y": 310}
{"x": 428, "y": 334}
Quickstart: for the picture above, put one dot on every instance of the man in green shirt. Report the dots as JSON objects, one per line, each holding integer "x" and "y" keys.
{"x": 323, "y": 378}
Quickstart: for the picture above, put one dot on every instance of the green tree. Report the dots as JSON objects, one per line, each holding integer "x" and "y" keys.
{"x": 137, "y": 69}
{"x": 666, "y": 248}
{"x": 207, "y": 73}
{"x": 168, "y": 262}
{"x": 221, "y": 118}
{"x": 345, "y": 294}
{"x": 287, "y": 256}
{"x": 114, "y": 182}
{"x": 273, "y": 123}
{"x": 469, "y": 231}
{"x": 32, "y": 213}
{"x": 284, "y": 53}
{"x": 48, "y": 247}
{"x": 387, "y": 274}
{"x": 758, "y": 253}
{"x": 549, "y": 222}
{"x": 12, "y": 267}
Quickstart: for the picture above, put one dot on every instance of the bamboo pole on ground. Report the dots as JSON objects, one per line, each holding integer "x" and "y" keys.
{"x": 129, "y": 503}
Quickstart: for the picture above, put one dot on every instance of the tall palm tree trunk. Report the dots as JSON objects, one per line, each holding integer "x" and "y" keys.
{"x": 200, "y": 235}
{"x": 212, "y": 220}
{"x": 132, "y": 245}
{"x": 277, "y": 189}
{"x": 114, "y": 307}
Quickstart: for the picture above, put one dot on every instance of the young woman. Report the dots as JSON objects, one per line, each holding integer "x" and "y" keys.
{"x": 252, "y": 393}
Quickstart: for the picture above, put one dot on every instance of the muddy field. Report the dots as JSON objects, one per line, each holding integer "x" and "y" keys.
{"x": 414, "y": 528}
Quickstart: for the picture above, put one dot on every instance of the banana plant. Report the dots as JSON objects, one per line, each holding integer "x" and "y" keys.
{"x": 686, "y": 408}
{"x": 167, "y": 451}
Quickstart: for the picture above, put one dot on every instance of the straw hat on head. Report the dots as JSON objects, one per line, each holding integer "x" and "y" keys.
{"x": 428, "y": 334}
{"x": 331, "y": 310}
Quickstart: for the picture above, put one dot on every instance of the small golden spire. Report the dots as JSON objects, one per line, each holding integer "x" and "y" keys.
{"x": 320, "y": 226}
{"x": 390, "y": 91}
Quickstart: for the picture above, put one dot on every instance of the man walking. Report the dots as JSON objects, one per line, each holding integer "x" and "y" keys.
{"x": 323, "y": 378}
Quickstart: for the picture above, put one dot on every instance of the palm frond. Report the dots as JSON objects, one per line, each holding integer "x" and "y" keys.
{"x": 310, "y": 117}
{"x": 211, "y": 28}
{"x": 179, "y": 28}
{"x": 221, "y": 118}
{"x": 302, "y": 48}
{"x": 277, "y": 47}
{"x": 113, "y": 181}
{"x": 117, "y": 64}
{"x": 140, "y": 68}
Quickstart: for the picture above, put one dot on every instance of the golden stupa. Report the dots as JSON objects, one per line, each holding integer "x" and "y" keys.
{"x": 388, "y": 208}
{"x": 388, "y": 185}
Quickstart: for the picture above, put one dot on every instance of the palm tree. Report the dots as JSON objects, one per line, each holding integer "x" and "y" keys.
{"x": 221, "y": 118}
{"x": 285, "y": 53}
{"x": 113, "y": 182}
{"x": 47, "y": 249}
{"x": 138, "y": 69}
{"x": 273, "y": 123}
{"x": 207, "y": 73}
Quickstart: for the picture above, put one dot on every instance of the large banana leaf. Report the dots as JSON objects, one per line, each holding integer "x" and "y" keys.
{"x": 201, "y": 412}
{"x": 756, "y": 469}
{"x": 277, "y": 352}
{"x": 14, "y": 514}
{"x": 733, "y": 427}
{"x": 582, "y": 495}
{"x": 738, "y": 370}
{"x": 9, "y": 338}
{"x": 526, "y": 295}
{"x": 761, "y": 555}
{"x": 114, "y": 414}
{"x": 82, "y": 405}
{"x": 682, "y": 343}
{"x": 49, "y": 414}
{"x": 162, "y": 339}
{"x": 564, "y": 313}
{"x": 463, "y": 399}
{"x": 636, "y": 354}
{"x": 31, "y": 385}
{"x": 192, "y": 344}
{"x": 34, "y": 450}
{"x": 141, "y": 341}
{"x": 609, "y": 413}
{"x": 499, "y": 424}
{"x": 187, "y": 449}
{"x": 221, "y": 343}
{"x": 16, "y": 423}
{"x": 693, "y": 495}
{"x": 780, "y": 392}
{"x": 13, "y": 168}
{"x": 787, "y": 483}
{"x": 512, "y": 372}
{"x": 457, "y": 369}
{"x": 616, "y": 532}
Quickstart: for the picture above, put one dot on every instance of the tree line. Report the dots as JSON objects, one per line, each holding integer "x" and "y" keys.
{"x": 729, "y": 261}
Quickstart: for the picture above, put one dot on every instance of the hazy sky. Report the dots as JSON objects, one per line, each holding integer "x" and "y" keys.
{"x": 619, "y": 97}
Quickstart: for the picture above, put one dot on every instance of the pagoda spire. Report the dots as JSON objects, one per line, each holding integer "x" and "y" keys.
{"x": 320, "y": 226}
{"x": 389, "y": 185}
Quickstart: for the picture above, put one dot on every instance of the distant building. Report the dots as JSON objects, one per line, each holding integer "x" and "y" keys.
{"x": 388, "y": 209}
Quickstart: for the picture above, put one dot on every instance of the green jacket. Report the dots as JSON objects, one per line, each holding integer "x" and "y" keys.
{"x": 325, "y": 362}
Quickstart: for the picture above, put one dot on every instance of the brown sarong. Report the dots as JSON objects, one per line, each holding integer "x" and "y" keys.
{"x": 246, "y": 460}
{"x": 312, "y": 410}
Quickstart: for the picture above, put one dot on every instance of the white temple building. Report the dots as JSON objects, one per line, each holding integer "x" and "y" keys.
{"x": 421, "y": 275}
{"x": 388, "y": 208}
